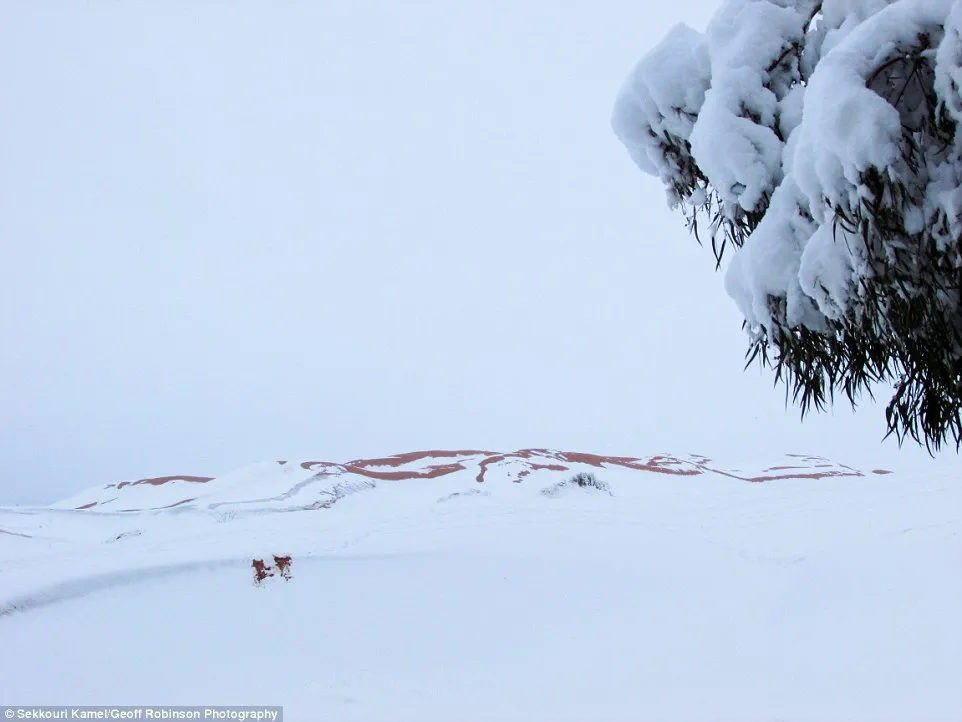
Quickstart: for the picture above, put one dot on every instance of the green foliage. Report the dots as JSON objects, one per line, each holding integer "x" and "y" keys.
{"x": 907, "y": 327}
{"x": 583, "y": 480}
{"x": 587, "y": 480}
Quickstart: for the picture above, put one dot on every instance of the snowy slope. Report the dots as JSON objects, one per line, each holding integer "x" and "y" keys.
{"x": 475, "y": 585}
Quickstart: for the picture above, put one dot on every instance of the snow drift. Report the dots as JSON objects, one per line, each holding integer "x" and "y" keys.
{"x": 481, "y": 585}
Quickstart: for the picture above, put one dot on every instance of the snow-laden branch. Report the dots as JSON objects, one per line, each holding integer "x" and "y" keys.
{"x": 819, "y": 139}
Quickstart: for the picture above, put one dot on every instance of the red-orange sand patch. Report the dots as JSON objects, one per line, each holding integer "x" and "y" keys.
{"x": 451, "y": 461}
{"x": 157, "y": 481}
{"x": 432, "y": 472}
{"x": 401, "y": 459}
{"x": 158, "y": 508}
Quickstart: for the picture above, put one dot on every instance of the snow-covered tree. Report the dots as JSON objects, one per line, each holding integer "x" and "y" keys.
{"x": 816, "y": 141}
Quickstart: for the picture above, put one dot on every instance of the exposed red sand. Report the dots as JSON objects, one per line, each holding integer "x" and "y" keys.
{"x": 779, "y": 477}
{"x": 660, "y": 464}
{"x": 157, "y": 481}
{"x": 158, "y": 508}
{"x": 432, "y": 472}
{"x": 154, "y": 481}
{"x": 534, "y": 467}
{"x": 97, "y": 503}
{"x": 411, "y": 456}
{"x": 176, "y": 503}
{"x": 360, "y": 466}
{"x": 526, "y": 461}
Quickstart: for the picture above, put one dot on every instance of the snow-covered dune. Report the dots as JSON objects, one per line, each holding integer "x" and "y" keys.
{"x": 480, "y": 585}
{"x": 284, "y": 484}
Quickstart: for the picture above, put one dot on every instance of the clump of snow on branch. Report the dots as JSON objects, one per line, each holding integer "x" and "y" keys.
{"x": 818, "y": 140}
{"x": 778, "y": 107}
{"x": 658, "y": 105}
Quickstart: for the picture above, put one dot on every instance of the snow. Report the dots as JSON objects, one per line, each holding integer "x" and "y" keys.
{"x": 796, "y": 134}
{"x": 661, "y": 98}
{"x": 847, "y": 127}
{"x": 769, "y": 264}
{"x": 948, "y": 64}
{"x": 740, "y": 155}
{"x": 826, "y": 270}
{"x": 685, "y": 597}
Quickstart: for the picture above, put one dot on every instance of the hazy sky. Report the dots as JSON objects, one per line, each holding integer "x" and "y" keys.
{"x": 236, "y": 231}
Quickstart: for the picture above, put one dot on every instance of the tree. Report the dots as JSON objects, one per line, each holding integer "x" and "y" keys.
{"x": 816, "y": 143}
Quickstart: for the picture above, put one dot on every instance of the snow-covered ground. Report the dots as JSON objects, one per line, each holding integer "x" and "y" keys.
{"x": 684, "y": 592}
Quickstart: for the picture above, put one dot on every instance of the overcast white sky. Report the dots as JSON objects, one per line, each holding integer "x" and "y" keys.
{"x": 236, "y": 231}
